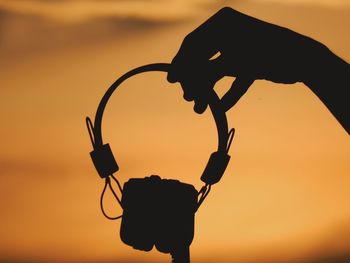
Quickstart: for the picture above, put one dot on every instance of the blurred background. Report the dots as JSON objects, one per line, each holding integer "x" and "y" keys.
{"x": 285, "y": 195}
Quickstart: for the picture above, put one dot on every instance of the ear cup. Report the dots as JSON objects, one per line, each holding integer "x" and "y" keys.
{"x": 175, "y": 223}
{"x": 136, "y": 228}
{"x": 158, "y": 212}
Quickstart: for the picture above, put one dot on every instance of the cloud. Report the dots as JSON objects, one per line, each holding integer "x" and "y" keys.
{"x": 28, "y": 33}
{"x": 331, "y": 258}
{"x": 31, "y": 167}
{"x": 119, "y": 260}
{"x": 338, "y": 4}
{"x": 327, "y": 3}
{"x": 76, "y": 11}
{"x": 335, "y": 247}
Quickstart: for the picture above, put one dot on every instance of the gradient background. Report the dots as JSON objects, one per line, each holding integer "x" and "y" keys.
{"x": 285, "y": 196}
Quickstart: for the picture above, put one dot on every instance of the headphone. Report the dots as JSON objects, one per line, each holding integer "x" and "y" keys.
{"x": 106, "y": 165}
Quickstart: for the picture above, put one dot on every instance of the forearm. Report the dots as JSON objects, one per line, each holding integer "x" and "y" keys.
{"x": 329, "y": 79}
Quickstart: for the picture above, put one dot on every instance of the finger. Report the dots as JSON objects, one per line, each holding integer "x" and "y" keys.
{"x": 213, "y": 71}
{"x": 197, "y": 93}
{"x": 197, "y": 86}
{"x": 238, "y": 89}
{"x": 187, "y": 93}
{"x": 200, "y": 106}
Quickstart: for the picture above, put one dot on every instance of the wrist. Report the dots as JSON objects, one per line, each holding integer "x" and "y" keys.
{"x": 329, "y": 79}
{"x": 325, "y": 69}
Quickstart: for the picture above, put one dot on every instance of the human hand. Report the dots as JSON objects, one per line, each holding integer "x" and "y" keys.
{"x": 249, "y": 49}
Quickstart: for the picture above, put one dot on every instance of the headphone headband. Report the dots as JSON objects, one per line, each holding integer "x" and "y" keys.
{"x": 102, "y": 155}
{"x": 214, "y": 104}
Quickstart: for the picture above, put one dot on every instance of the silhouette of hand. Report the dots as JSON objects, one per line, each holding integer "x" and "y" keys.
{"x": 247, "y": 49}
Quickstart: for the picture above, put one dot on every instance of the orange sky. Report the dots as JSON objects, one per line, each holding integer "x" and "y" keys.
{"x": 284, "y": 197}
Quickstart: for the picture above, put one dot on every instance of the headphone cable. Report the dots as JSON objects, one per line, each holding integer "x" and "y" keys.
{"x": 107, "y": 182}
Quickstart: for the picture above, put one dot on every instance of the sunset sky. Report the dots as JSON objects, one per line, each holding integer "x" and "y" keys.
{"x": 285, "y": 196}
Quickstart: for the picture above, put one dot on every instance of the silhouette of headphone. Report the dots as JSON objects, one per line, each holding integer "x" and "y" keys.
{"x": 106, "y": 164}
